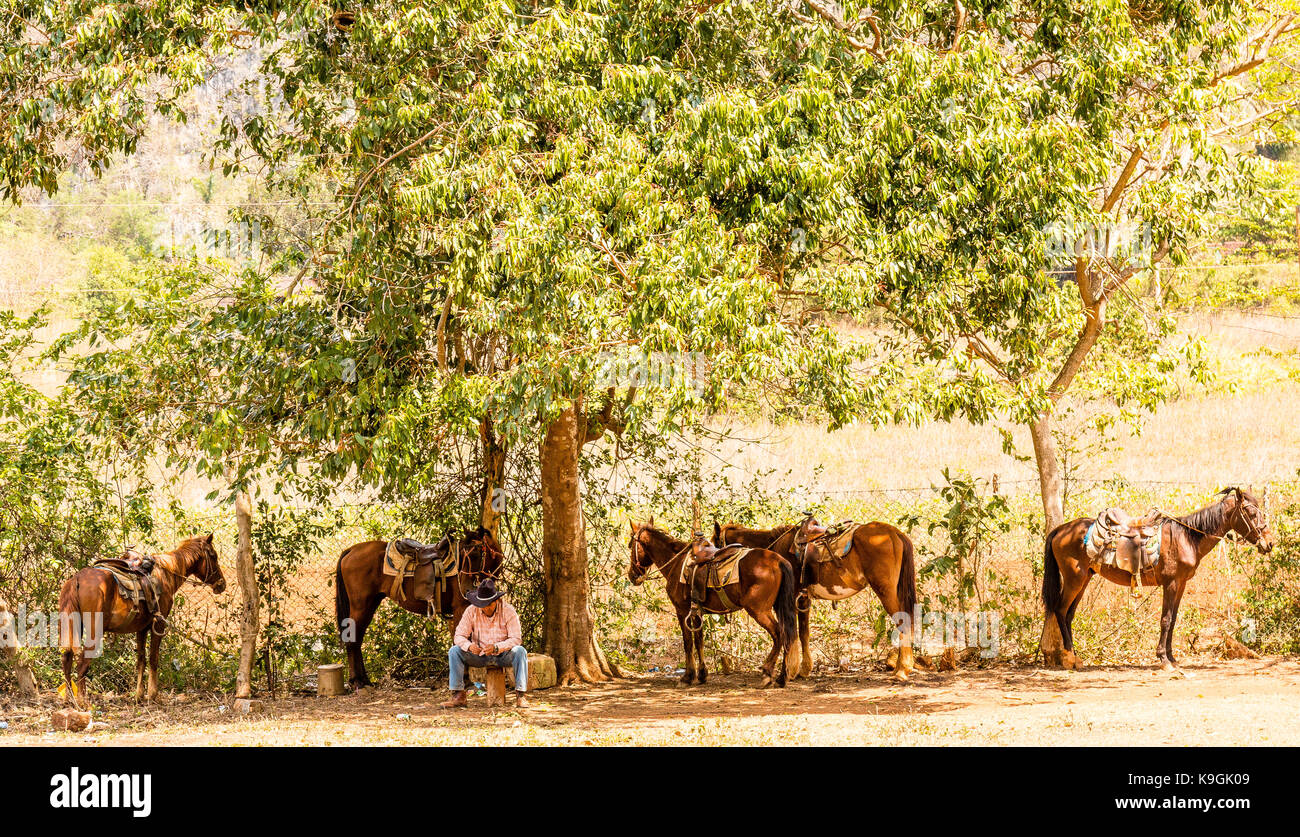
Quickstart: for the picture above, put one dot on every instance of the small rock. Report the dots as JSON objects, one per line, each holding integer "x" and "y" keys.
{"x": 403, "y": 717}
{"x": 70, "y": 720}
{"x": 248, "y": 706}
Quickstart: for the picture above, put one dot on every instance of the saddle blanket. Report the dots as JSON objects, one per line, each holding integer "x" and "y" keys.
{"x": 834, "y": 545}
{"x": 397, "y": 562}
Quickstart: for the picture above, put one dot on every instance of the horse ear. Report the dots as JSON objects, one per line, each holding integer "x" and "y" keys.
{"x": 717, "y": 534}
{"x": 652, "y": 520}
{"x": 209, "y": 539}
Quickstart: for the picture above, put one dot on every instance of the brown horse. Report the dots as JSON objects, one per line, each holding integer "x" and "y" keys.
{"x": 765, "y": 589}
{"x": 1067, "y": 569}
{"x": 360, "y": 586}
{"x": 90, "y": 605}
{"x": 880, "y": 558}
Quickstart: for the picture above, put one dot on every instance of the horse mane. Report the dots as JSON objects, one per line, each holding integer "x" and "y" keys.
{"x": 665, "y": 538}
{"x": 775, "y": 532}
{"x": 1202, "y": 523}
{"x": 189, "y": 551}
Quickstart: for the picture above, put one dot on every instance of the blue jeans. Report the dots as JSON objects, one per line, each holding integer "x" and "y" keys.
{"x": 459, "y": 661}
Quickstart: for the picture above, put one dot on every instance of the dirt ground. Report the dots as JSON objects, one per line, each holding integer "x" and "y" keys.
{"x": 1247, "y": 702}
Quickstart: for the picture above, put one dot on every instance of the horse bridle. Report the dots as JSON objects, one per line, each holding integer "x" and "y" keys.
{"x": 641, "y": 559}
{"x": 1255, "y": 532}
{"x": 640, "y": 556}
{"x": 465, "y": 555}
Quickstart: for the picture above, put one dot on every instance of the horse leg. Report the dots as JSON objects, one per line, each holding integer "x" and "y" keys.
{"x": 361, "y": 613}
{"x": 702, "y": 673}
{"x": 1067, "y": 627}
{"x": 69, "y": 656}
{"x": 1171, "y": 598}
{"x": 805, "y": 617}
{"x": 155, "y": 642}
{"x": 140, "y": 638}
{"x": 82, "y": 699}
{"x": 767, "y": 621}
{"x": 687, "y": 639}
{"x": 887, "y": 591}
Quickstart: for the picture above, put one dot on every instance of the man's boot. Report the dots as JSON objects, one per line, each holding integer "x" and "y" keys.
{"x": 521, "y": 701}
{"x": 459, "y": 700}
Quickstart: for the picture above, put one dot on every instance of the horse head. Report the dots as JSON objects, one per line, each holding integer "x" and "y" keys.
{"x": 640, "y": 562}
{"x": 204, "y": 564}
{"x": 481, "y": 555}
{"x": 1248, "y": 519}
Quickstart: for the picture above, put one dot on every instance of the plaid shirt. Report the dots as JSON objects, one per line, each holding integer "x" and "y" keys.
{"x": 500, "y": 629}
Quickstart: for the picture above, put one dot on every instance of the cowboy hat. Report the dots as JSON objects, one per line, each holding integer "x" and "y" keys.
{"x": 486, "y": 594}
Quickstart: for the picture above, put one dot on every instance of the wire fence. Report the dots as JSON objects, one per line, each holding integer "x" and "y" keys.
{"x": 637, "y": 626}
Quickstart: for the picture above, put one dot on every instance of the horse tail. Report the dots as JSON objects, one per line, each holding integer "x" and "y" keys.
{"x": 787, "y": 618}
{"x": 1051, "y": 576}
{"x": 907, "y": 578}
{"x": 342, "y": 605}
{"x": 70, "y": 627}
{"x": 70, "y": 632}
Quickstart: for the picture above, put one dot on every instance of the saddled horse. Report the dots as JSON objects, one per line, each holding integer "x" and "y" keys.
{"x": 91, "y": 605}
{"x": 880, "y": 557}
{"x": 360, "y": 585}
{"x": 1184, "y": 541}
{"x": 764, "y": 588}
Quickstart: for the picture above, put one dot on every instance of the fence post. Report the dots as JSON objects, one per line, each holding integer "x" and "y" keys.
{"x": 11, "y": 649}
{"x": 248, "y": 589}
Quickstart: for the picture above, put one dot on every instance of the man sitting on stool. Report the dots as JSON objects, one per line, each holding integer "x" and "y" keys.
{"x": 488, "y": 635}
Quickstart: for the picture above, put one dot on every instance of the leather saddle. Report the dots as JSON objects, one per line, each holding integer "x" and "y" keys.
{"x": 408, "y": 558}
{"x": 710, "y": 567}
{"x": 1120, "y": 540}
{"x": 136, "y": 583}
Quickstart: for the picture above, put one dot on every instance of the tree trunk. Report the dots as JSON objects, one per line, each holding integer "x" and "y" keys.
{"x": 568, "y": 627}
{"x": 11, "y": 649}
{"x": 1049, "y": 484}
{"x": 248, "y": 590}
{"x": 1049, "y": 466}
{"x": 494, "y": 478}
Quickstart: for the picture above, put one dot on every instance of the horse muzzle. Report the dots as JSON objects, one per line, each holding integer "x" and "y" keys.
{"x": 219, "y": 587}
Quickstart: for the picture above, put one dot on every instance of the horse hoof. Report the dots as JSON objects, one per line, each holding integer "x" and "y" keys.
{"x": 767, "y": 682}
{"x": 900, "y": 676}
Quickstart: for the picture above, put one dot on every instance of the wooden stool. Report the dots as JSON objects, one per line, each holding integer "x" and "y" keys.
{"x": 329, "y": 680}
{"x": 495, "y": 678}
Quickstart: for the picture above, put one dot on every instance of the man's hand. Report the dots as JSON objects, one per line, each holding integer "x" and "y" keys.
{"x": 475, "y": 648}
{"x": 490, "y": 651}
